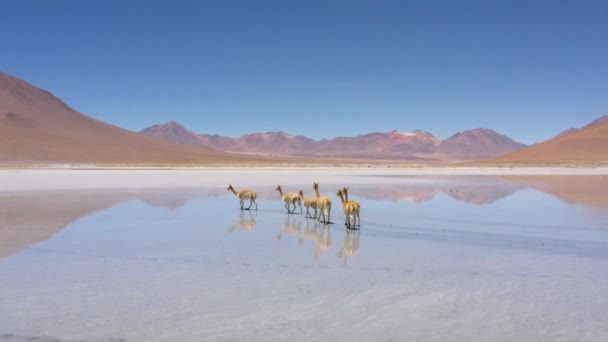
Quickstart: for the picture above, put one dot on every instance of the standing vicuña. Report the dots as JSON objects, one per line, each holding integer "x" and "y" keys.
{"x": 351, "y": 209}
{"x": 310, "y": 202}
{"x": 323, "y": 203}
{"x": 289, "y": 199}
{"x": 245, "y": 195}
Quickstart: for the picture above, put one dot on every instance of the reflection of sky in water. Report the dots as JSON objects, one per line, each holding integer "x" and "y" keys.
{"x": 526, "y": 266}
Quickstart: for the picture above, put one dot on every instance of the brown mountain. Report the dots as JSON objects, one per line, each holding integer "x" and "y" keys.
{"x": 174, "y": 132}
{"x": 269, "y": 143}
{"x": 274, "y": 142}
{"x": 36, "y": 126}
{"x": 417, "y": 145}
{"x": 568, "y": 131}
{"x": 477, "y": 143}
{"x": 587, "y": 145}
{"x": 218, "y": 142}
{"x": 599, "y": 121}
{"x": 391, "y": 145}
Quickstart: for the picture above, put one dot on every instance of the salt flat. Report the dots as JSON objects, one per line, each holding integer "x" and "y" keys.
{"x": 165, "y": 255}
{"x": 47, "y": 179}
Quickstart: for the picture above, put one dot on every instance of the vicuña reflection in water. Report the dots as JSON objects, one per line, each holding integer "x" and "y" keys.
{"x": 311, "y": 231}
{"x": 350, "y": 246}
{"x": 30, "y": 217}
{"x": 319, "y": 233}
{"x": 292, "y": 226}
{"x": 315, "y": 231}
{"x": 246, "y": 221}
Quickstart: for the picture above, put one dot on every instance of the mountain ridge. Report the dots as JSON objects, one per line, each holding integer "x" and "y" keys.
{"x": 586, "y": 145}
{"x": 37, "y": 126}
{"x": 397, "y": 145}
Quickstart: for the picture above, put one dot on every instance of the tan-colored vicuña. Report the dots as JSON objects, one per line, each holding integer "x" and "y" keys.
{"x": 309, "y": 202}
{"x": 245, "y": 195}
{"x": 291, "y": 198}
{"x": 355, "y": 203}
{"x": 323, "y": 203}
{"x": 350, "y": 245}
{"x": 351, "y": 209}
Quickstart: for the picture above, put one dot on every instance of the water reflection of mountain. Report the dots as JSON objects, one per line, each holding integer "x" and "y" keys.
{"x": 350, "y": 246}
{"x": 590, "y": 191}
{"x": 474, "y": 190}
{"x": 29, "y": 217}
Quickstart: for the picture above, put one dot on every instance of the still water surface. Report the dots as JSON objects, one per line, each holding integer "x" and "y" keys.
{"x": 436, "y": 259}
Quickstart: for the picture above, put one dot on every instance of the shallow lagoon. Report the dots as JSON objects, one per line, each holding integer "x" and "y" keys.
{"x": 436, "y": 259}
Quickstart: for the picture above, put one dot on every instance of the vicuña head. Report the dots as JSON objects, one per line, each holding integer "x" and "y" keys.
{"x": 345, "y": 192}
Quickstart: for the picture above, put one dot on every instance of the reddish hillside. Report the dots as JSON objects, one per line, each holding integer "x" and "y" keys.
{"x": 279, "y": 143}
{"x": 274, "y": 142}
{"x": 174, "y": 132}
{"x": 599, "y": 121}
{"x": 417, "y": 145}
{"x": 478, "y": 143}
{"x": 391, "y": 145}
{"x": 588, "y": 145}
{"x": 36, "y": 126}
{"x": 218, "y": 142}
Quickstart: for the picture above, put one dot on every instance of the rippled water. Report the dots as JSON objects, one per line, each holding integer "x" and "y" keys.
{"x": 436, "y": 259}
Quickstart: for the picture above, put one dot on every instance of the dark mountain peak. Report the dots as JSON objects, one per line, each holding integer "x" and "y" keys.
{"x": 599, "y": 121}
{"x": 173, "y": 131}
{"x": 478, "y": 143}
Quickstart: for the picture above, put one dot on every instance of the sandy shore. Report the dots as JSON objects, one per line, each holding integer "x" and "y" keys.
{"x": 57, "y": 179}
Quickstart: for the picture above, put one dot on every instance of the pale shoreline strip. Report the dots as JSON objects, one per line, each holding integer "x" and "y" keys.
{"x": 64, "y": 179}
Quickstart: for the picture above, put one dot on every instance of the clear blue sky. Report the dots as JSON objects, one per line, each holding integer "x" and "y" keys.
{"x": 319, "y": 68}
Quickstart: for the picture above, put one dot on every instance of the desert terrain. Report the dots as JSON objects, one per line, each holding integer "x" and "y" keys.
{"x": 40, "y": 130}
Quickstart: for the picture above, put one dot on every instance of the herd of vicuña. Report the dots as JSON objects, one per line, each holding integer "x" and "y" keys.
{"x": 320, "y": 205}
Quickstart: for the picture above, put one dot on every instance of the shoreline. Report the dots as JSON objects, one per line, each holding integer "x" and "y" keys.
{"x": 371, "y": 165}
{"x": 123, "y": 178}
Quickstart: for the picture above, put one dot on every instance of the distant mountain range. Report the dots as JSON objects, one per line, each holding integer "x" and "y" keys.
{"x": 37, "y": 127}
{"x": 480, "y": 143}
